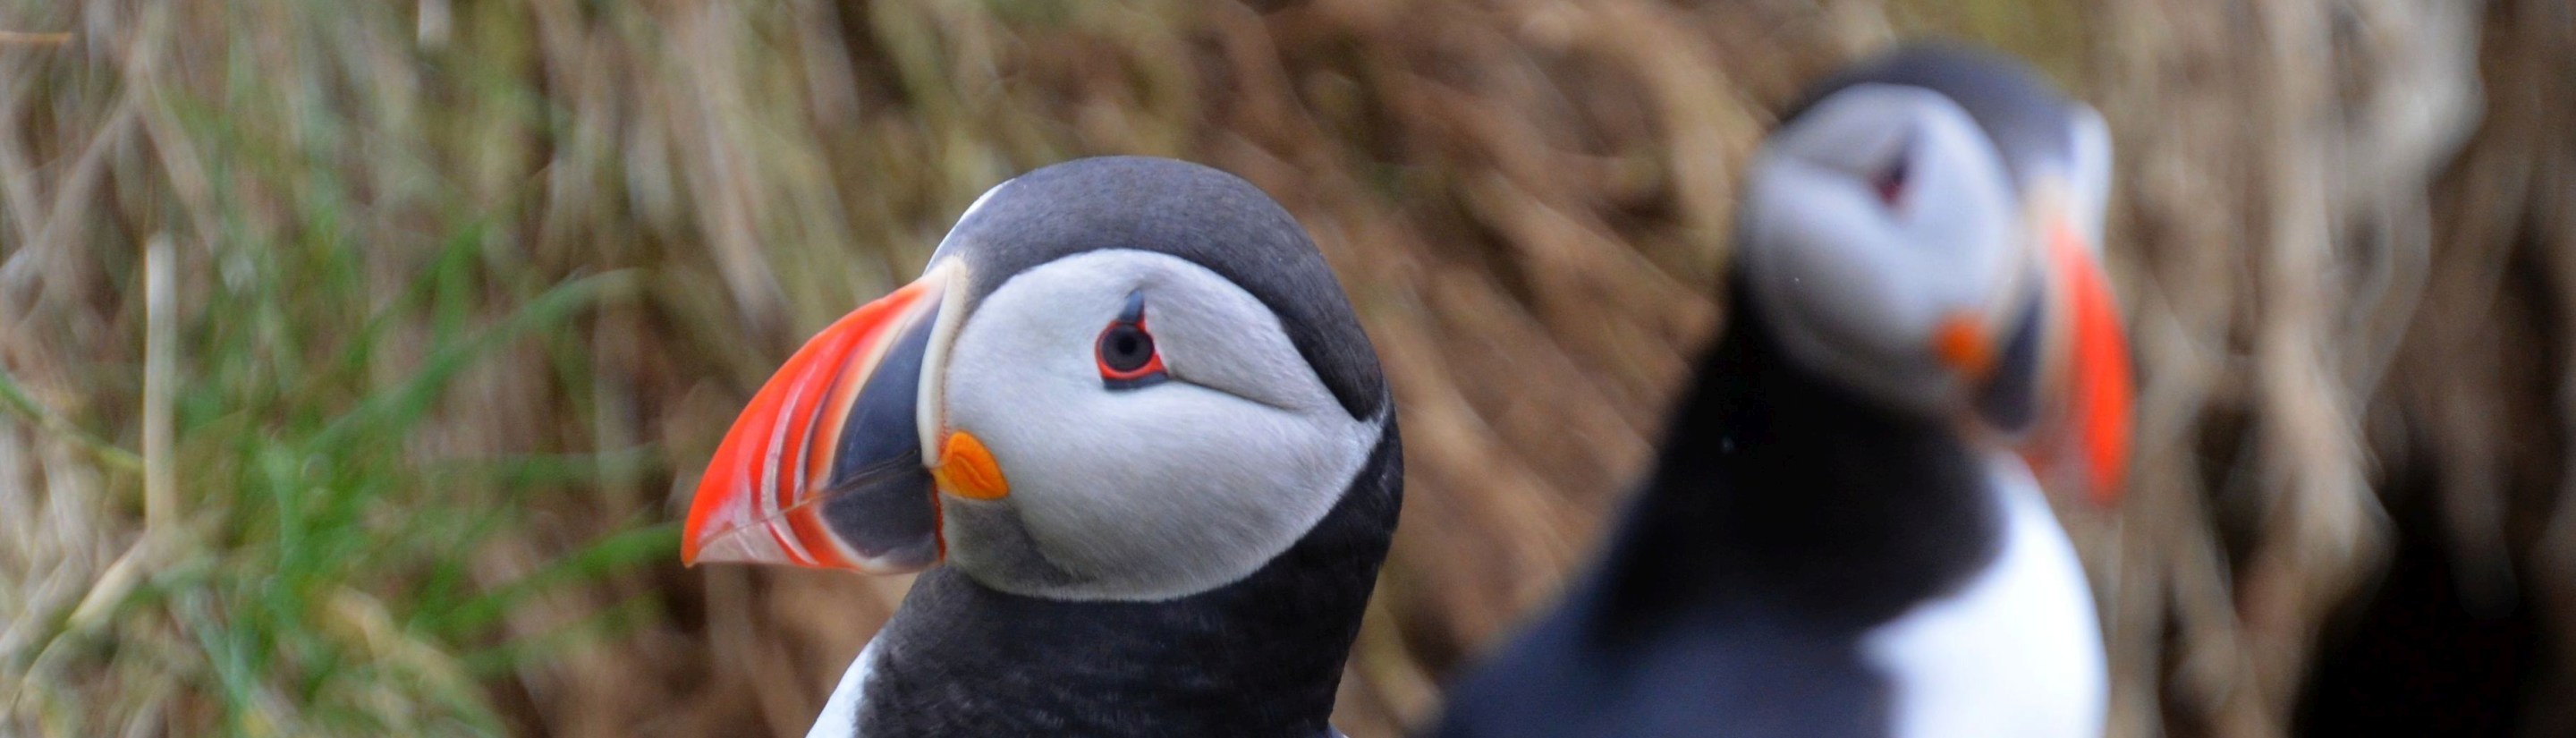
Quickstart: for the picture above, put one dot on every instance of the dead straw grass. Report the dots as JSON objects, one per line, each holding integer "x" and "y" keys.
{"x": 458, "y": 295}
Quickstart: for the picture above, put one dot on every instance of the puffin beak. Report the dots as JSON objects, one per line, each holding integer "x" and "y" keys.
{"x": 826, "y": 467}
{"x": 2083, "y": 441}
{"x": 2054, "y": 372}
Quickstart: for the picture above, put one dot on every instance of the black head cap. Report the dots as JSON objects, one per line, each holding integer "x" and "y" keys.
{"x": 1197, "y": 213}
{"x": 2029, "y": 122}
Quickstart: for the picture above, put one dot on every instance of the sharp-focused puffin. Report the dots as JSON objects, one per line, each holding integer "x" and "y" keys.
{"x": 1130, "y": 408}
{"x": 1839, "y": 538}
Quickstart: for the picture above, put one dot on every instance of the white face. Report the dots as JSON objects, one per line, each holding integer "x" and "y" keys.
{"x": 1144, "y": 492}
{"x": 2091, "y": 178}
{"x": 1872, "y": 220}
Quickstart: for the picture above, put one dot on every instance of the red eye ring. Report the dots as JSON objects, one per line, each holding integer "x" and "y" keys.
{"x": 1125, "y": 351}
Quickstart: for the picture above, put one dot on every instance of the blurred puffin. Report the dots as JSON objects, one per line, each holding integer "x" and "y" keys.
{"x": 1129, "y": 407}
{"x": 1839, "y": 538}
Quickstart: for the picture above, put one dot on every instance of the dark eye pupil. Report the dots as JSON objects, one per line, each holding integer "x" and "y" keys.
{"x": 1891, "y": 182}
{"x": 1126, "y": 348}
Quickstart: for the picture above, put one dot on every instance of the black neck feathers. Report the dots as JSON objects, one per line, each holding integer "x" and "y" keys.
{"x": 1782, "y": 492}
{"x": 1259, "y": 657}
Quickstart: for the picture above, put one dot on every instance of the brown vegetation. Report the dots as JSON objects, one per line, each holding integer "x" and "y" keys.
{"x": 354, "y": 357}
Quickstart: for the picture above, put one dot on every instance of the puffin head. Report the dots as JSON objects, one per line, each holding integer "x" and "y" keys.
{"x": 1925, "y": 229}
{"x": 1117, "y": 379}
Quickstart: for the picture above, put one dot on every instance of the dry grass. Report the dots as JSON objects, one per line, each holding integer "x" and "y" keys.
{"x": 458, "y": 296}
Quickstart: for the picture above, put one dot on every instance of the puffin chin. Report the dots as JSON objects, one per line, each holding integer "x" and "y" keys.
{"x": 837, "y": 462}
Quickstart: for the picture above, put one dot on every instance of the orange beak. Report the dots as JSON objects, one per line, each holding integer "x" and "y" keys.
{"x": 2085, "y": 442}
{"x": 826, "y": 468}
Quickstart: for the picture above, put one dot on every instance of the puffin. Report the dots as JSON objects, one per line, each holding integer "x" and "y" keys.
{"x": 1845, "y": 532}
{"x": 1126, "y": 427}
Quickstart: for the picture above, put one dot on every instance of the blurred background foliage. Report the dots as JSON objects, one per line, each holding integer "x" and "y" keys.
{"x": 356, "y": 358}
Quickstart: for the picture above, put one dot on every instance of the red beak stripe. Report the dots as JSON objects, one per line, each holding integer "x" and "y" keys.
{"x": 2101, "y": 390}
{"x": 758, "y": 501}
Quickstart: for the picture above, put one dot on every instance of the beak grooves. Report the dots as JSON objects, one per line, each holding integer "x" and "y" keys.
{"x": 759, "y": 499}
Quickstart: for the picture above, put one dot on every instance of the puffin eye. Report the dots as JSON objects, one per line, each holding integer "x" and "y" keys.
{"x": 1126, "y": 353}
{"x": 1890, "y": 181}
{"x": 1125, "y": 348}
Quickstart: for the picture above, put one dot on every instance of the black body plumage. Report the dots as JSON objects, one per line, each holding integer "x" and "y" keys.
{"x": 1786, "y": 518}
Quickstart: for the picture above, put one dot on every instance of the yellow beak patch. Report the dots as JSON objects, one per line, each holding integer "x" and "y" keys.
{"x": 966, "y": 469}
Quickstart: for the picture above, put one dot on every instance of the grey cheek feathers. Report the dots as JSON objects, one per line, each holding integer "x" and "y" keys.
{"x": 1853, "y": 290}
{"x": 1147, "y": 494}
{"x": 1216, "y": 338}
